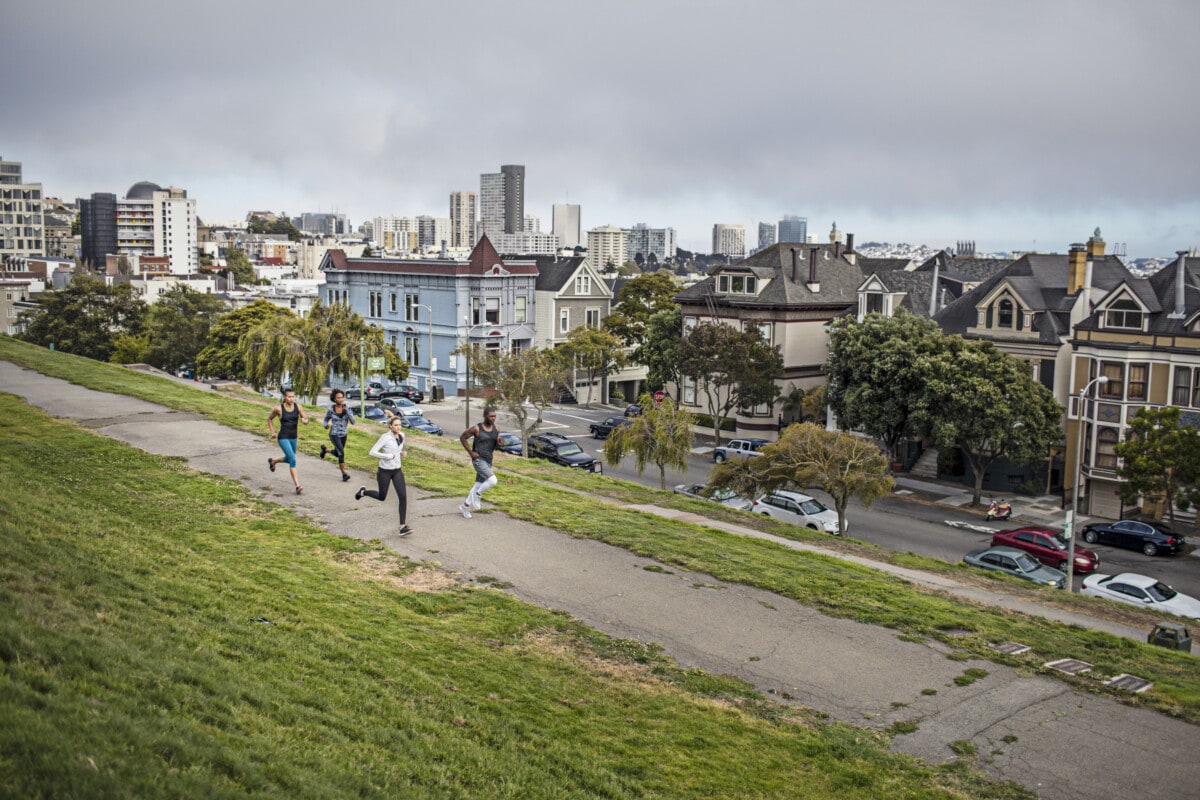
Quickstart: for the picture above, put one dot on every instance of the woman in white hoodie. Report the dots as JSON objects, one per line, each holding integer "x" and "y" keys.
{"x": 389, "y": 450}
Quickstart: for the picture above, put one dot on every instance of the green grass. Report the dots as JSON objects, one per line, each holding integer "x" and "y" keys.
{"x": 567, "y": 501}
{"x": 164, "y": 633}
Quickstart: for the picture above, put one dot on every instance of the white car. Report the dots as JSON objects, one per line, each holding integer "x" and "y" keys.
{"x": 725, "y": 497}
{"x": 1141, "y": 590}
{"x": 798, "y": 508}
{"x": 400, "y": 406}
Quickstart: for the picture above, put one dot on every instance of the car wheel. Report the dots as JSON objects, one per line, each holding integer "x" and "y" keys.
{"x": 811, "y": 527}
{"x": 1062, "y": 566}
{"x": 1090, "y": 537}
{"x": 718, "y": 458}
{"x": 1149, "y": 548}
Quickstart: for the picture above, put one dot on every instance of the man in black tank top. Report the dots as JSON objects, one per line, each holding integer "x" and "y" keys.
{"x": 485, "y": 436}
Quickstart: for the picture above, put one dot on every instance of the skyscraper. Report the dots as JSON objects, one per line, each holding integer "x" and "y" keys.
{"x": 766, "y": 235}
{"x": 659, "y": 242}
{"x": 97, "y": 228}
{"x": 793, "y": 229}
{"x": 607, "y": 245}
{"x": 729, "y": 240}
{"x": 566, "y": 225}
{"x": 502, "y": 199}
{"x": 462, "y": 219}
{"x": 22, "y": 225}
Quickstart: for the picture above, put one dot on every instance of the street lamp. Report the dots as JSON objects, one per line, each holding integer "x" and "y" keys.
{"x": 1070, "y": 528}
{"x": 431, "y": 379}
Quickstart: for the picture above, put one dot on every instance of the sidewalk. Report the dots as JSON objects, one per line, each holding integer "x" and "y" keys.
{"x": 1037, "y": 731}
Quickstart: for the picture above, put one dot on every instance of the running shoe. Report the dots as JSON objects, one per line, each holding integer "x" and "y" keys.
{"x": 405, "y": 531}
{"x": 345, "y": 477}
{"x": 361, "y": 491}
{"x": 465, "y": 508}
{"x": 299, "y": 490}
{"x": 271, "y": 464}
{"x": 324, "y": 450}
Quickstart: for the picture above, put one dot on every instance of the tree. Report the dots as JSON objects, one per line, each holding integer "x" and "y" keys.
{"x": 1160, "y": 459}
{"x": 986, "y": 403}
{"x": 520, "y": 381}
{"x": 658, "y": 352}
{"x": 595, "y": 351}
{"x": 237, "y": 263}
{"x": 640, "y": 299}
{"x": 85, "y": 317}
{"x": 731, "y": 369}
{"x": 875, "y": 383}
{"x": 809, "y": 457}
{"x": 661, "y": 436}
{"x": 221, "y": 356}
{"x": 178, "y": 326}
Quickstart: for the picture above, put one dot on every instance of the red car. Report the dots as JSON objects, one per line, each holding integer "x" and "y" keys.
{"x": 1048, "y": 547}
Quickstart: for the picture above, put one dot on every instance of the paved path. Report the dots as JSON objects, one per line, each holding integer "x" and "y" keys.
{"x": 1036, "y": 731}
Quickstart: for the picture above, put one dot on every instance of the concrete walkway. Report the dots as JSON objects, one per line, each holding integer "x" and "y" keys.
{"x": 1033, "y": 730}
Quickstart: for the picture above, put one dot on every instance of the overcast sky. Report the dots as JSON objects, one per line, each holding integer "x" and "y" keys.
{"x": 1015, "y": 124}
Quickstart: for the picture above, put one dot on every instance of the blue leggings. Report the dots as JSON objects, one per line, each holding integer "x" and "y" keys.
{"x": 288, "y": 446}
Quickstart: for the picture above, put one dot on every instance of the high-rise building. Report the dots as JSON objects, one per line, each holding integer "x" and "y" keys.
{"x": 401, "y": 234}
{"x": 766, "y": 235}
{"x": 462, "y": 219}
{"x": 433, "y": 231}
{"x": 22, "y": 227}
{"x": 325, "y": 224}
{"x": 607, "y": 245}
{"x": 153, "y": 221}
{"x": 566, "y": 224}
{"x": 97, "y": 228}
{"x": 729, "y": 240}
{"x": 502, "y": 200}
{"x": 793, "y": 229}
{"x": 659, "y": 242}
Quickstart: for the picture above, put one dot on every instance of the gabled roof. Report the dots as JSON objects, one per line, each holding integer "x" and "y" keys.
{"x": 1158, "y": 295}
{"x": 967, "y": 270}
{"x": 483, "y": 260}
{"x": 785, "y": 281}
{"x": 914, "y": 285}
{"x": 554, "y": 272}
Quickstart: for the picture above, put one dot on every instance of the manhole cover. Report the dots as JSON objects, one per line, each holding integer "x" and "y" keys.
{"x": 1130, "y": 683}
{"x": 1010, "y": 648}
{"x": 1071, "y": 666}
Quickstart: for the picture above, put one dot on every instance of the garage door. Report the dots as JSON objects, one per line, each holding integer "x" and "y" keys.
{"x": 1105, "y": 500}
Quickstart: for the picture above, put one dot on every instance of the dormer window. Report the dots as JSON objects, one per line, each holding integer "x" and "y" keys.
{"x": 1004, "y": 314}
{"x": 737, "y": 284}
{"x": 1124, "y": 314}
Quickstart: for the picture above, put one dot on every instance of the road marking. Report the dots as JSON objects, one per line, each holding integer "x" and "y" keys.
{"x": 970, "y": 526}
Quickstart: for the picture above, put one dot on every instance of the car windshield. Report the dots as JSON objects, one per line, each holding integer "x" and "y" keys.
{"x": 400, "y": 401}
{"x": 1161, "y": 592}
{"x": 1059, "y": 542}
{"x": 418, "y": 420}
{"x": 721, "y": 495}
{"x": 1025, "y": 563}
{"x": 811, "y": 506}
{"x": 509, "y": 438}
{"x": 569, "y": 449}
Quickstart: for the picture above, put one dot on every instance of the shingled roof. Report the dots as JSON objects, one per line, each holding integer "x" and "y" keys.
{"x": 785, "y": 282}
{"x": 1158, "y": 294}
{"x": 482, "y": 261}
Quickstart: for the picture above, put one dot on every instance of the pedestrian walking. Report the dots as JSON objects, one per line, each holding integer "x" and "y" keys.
{"x": 389, "y": 449}
{"x": 484, "y": 435}
{"x": 338, "y": 420}
{"x": 290, "y": 414}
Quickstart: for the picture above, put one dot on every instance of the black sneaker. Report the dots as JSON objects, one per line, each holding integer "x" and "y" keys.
{"x": 405, "y": 531}
{"x": 271, "y": 464}
{"x": 324, "y": 450}
{"x": 361, "y": 491}
{"x": 345, "y": 477}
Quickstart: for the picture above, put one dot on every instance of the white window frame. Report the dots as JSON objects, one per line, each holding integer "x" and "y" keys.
{"x": 583, "y": 284}
{"x": 591, "y": 317}
{"x": 520, "y": 309}
{"x": 564, "y": 320}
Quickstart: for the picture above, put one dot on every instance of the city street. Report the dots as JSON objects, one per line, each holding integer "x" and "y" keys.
{"x": 893, "y": 523}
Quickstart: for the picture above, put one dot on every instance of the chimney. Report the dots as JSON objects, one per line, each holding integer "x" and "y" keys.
{"x": 1180, "y": 278}
{"x": 933, "y": 288}
{"x": 1076, "y": 268}
{"x": 813, "y": 284}
{"x": 795, "y": 265}
{"x": 837, "y": 249}
{"x": 851, "y": 256}
{"x": 1095, "y": 245}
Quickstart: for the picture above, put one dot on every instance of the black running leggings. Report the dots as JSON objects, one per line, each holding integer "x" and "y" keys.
{"x": 339, "y": 447}
{"x": 394, "y": 477}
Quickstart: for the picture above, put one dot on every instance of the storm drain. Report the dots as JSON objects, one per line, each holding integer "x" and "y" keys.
{"x": 1129, "y": 683}
{"x": 1010, "y": 648}
{"x": 1071, "y": 666}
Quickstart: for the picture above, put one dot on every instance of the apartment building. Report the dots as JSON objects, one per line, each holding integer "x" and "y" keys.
{"x": 729, "y": 240}
{"x": 463, "y": 210}
{"x": 22, "y": 227}
{"x": 608, "y": 246}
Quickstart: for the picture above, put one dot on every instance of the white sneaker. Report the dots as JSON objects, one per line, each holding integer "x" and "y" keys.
{"x": 466, "y": 510}
{"x": 476, "y": 503}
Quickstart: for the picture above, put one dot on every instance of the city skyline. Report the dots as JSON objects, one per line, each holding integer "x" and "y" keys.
{"x": 1019, "y": 127}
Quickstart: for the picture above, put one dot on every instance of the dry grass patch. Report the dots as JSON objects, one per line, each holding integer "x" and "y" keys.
{"x": 399, "y": 573}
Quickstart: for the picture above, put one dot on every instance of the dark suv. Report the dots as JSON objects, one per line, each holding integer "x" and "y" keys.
{"x": 405, "y": 391}
{"x": 601, "y": 430}
{"x": 561, "y": 450}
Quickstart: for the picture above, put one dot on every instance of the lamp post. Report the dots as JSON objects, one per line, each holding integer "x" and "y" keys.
{"x": 1070, "y": 526}
{"x": 362, "y": 377}
{"x": 431, "y": 379}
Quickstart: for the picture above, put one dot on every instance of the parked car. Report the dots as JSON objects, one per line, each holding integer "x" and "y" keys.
{"x": 510, "y": 443}
{"x": 1047, "y": 546}
{"x": 374, "y": 392}
{"x": 725, "y": 497}
{"x": 405, "y": 391}
{"x": 561, "y": 450}
{"x": 419, "y": 423}
{"x": 738, "y": 447}
{"x": 633, "y": 410}
{"x": 376, "y": 414}
{"x": 601, "y": 430}
{"x": 1017, "y": 563}
{"x": 1150, "y": 538}
{"x": 400, "y": 407}
{"x": 798, "y": 508}
{"x": 1141, "y": 590}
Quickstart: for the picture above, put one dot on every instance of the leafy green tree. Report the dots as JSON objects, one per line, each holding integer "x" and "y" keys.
{"x": 85, "y": 317}
{"x": 640, "y": 299}
{"x": 221, "y": 356}
{"x": 520, "y": 382}
{"x": 661, "y": 436}
{"x": 238, "y": 264}
{"x": 987, "y": 404}
{"x": 809, "y": 457}
{"x": 178, "y": 326}
{"x": 731, "y": 369}
{"x": 1160, "y": 459}
{"x": 595, "y": 352}
{"x": 659, "y": 350}
{"x": 129, "y": 348}
{"x": 875, "y": 383}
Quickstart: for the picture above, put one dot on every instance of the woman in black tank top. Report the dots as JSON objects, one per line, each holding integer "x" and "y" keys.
{"x": 290, "y": 414}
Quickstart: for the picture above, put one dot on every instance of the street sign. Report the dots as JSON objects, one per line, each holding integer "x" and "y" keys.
{"x": 659, "y": 396}
{"x": 376, "y": 363}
